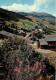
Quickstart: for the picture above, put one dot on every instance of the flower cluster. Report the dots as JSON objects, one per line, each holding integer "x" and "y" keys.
{"x": 22, "y": 69}
{"x": 23, "y": 63}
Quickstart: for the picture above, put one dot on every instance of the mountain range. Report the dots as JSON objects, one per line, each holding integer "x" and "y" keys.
{"x": 44, "y": 16}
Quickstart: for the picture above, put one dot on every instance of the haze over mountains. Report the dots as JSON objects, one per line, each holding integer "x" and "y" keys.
{"x": 12, "y": 15}
{"x": 41, "y": 15}
{"x": 37, "y": 14}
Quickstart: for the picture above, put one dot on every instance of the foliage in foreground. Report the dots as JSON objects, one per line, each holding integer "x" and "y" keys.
{"x": 22, "y": 62}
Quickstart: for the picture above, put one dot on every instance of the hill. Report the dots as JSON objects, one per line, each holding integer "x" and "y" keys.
{"x": 36, "y": 14}
{"x": 9, "y": 15}
{"x": 15, "y": 20}
{"x": 45, "y": 16}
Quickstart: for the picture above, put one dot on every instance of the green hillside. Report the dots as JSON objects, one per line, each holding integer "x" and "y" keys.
{"x": 40, "y": 23}
{"x": 14, "y": 20}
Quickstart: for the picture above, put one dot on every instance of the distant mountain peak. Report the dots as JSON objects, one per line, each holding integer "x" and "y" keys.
{"x": 33, "y": 12}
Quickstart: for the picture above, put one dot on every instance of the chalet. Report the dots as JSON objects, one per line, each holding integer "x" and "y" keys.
{"x": 35, "y": 31}
{"x": 41, "y": 43}
{"x": 51, "y": 40}
{"x": 20, "y": 31}
{"x": 48, "y": 42}
{"x": 40, "y": 30}
{"x": 6, "y": 35}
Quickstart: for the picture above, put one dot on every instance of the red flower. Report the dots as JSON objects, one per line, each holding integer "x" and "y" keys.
{"x": 37, "y": 63}
{"x": 10, "y": 70}
{"x": 44, "y": 66}
{"x": 28, "y": 61}
{"x": 20, "y": 63}
{"x": 19, "y": 71}
{"x": 33, "y": 69}
{"x": 34, "y": 65}
{"x": 28, "y": 67}
{"x": 25, "y": 69}
{"x": 47, "y": 76}
{"x": 8, "y": 76}
{"x": 16, "y": 69}
{"x": 13, "y": 73}
{"x": 40, "y": 70}
{"x": 32, "y": 48}
{"x": 17, "y": 59}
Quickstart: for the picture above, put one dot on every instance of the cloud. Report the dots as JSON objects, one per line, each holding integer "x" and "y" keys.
{"x": 55, "y": 15}
{"x": 17, "y": 7}
{"x": 27, "y": 8}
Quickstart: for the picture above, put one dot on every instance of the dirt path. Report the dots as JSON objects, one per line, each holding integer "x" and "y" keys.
{"x": 51, "y": 55}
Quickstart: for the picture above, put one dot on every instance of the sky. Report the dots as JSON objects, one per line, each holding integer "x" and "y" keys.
{"x": 46, "y": 6}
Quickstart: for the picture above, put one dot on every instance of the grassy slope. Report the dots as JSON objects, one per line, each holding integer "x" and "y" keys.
{"x": 51, "y": 55}
{"x": 31, "y": 24}
{"x": 28, "y": 22}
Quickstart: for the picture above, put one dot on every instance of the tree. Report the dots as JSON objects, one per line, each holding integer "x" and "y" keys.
{"x": 39, "y": 35}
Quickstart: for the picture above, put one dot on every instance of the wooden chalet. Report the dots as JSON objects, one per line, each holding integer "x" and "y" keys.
{"x": 41, "y": 43}
{"x": 6, "y": 35}
{"x": 48, "y": 42}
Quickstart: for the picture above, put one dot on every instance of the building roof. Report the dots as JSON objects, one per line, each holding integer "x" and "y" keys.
{"x": 7, "y": 34}
{"x": 40, "y": 30}
{"x": 43, "y": 42}
{"x": 50, "y": 37}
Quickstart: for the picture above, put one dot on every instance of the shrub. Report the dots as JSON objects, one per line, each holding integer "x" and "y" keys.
{"x": 39, "y": 35}
{"x": 33, "y": 38}
{"x": 22, "y": 34}
{"x": 22, "y": 62}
